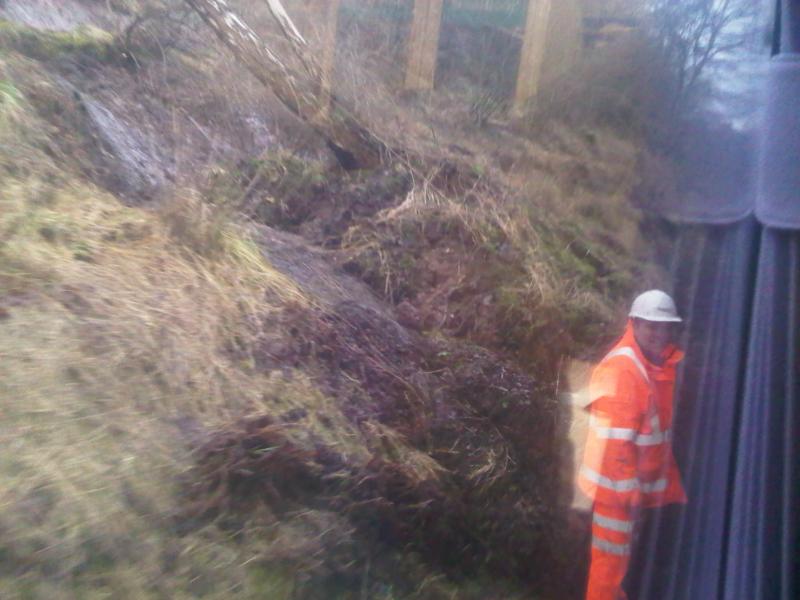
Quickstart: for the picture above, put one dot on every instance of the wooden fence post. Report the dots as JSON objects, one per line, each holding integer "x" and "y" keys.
{"x": 531, "y": 60}
{"x": 423, "y": 44}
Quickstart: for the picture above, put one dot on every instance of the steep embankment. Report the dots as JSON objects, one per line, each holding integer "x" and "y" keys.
{"x": 227, "y": 371}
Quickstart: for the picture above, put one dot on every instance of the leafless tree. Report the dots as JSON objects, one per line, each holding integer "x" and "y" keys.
{"x": 294, "y": 77}
{"x": 692, "y": 34}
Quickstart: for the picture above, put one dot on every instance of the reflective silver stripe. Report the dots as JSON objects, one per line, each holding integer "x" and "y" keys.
{"x": 630, "y": 353}
{"x": 617, "y": 485}
{"x": 613, "y": 524}
{"x": 652, "y": 439}
{"x": 615, "y": 433}
{"x": 623, "y": 485}
{"x": 611, "y": 547}
{"x": 658, "y": 485}
{"x": 610, "y": 433}
{"x": 627, "y": 434}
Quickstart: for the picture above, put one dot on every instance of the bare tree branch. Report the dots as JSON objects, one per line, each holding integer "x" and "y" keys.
{"x": 692, "y": 34}
{"x": 298, "y": 43}
{"x": 354, "y": 145}
{"x": 288, "y": 27}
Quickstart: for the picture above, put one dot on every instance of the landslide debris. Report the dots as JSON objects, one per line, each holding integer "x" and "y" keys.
{"x": 230, "y": 369}
{"x": 453, "y": 453}
{"x": 461, "y": 253}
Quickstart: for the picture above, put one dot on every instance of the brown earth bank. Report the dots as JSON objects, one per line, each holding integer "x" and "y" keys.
{"x": 462, "y": 466}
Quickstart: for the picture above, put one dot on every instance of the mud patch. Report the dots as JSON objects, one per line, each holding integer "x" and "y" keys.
{"x": 457, "y": 458}
{"x": 135, "y": 167}
{"x": 312, "y": 270}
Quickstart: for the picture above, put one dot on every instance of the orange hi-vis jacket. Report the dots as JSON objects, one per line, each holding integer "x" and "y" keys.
{"x": 628, "y": 460}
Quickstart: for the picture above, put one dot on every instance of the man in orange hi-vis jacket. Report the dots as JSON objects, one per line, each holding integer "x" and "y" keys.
{"x": 628, "y": 463}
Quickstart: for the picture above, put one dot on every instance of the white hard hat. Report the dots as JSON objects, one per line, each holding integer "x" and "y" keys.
{"x": 655, "y": 305}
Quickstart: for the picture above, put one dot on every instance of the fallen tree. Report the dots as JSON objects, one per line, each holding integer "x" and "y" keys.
{"x": 299, "y": 87}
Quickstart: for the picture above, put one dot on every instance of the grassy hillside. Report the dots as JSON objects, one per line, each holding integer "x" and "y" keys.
{"x": 228, "y": 369}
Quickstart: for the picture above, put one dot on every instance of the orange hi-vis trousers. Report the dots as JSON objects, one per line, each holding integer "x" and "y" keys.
{"x": 612, "y": 532}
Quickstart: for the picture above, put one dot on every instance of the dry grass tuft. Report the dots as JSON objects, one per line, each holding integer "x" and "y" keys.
{"x": 391, "y": 446}
{"x": 531, "y": 271}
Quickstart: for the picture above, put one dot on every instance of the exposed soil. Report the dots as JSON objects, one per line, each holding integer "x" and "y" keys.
{"x": 485, "y": 494}
{"x": 486, "y": 498}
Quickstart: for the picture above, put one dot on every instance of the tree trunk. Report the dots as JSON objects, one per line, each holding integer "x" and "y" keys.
{"x": 300, "y": 91}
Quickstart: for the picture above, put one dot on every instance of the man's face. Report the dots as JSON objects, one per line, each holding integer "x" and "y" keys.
{"x": 652, "y": 337}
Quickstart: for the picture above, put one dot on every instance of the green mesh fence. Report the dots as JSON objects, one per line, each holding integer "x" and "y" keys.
{"x": 476, "y": 56}
{"x": 503, "y": 14}
{"x": 391, "y": 10}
